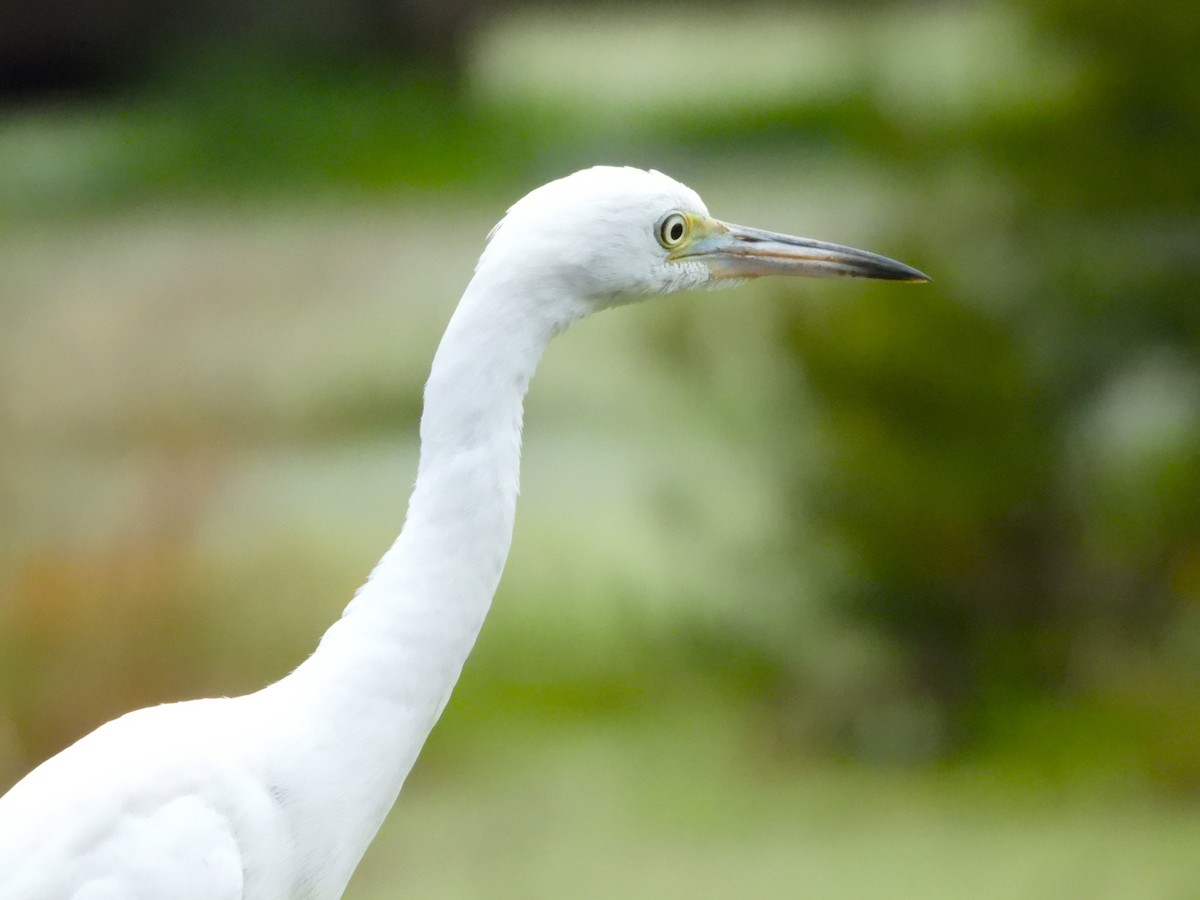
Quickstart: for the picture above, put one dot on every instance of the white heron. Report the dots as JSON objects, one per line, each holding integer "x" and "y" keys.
{"x": 276, "y": 795}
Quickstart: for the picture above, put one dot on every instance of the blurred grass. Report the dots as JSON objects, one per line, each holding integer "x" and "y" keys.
{"x": 672, "y": 806}
{"x": 220, "y": 297}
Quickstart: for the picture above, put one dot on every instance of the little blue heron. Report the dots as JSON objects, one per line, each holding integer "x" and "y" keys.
{"x": 275, "y": 795}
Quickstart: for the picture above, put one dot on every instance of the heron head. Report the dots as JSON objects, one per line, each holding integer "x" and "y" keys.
{"x": 608, "y": 235}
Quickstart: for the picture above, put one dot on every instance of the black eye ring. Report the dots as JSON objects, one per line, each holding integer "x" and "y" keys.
{"x": 672, "y": 230}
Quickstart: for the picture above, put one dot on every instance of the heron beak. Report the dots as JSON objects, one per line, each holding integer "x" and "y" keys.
{"x": 735, "y": 251}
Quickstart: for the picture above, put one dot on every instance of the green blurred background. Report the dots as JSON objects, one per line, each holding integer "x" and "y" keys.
{"x": 824, "y": 589}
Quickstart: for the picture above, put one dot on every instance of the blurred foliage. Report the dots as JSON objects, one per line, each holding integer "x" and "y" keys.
{"x": 231, "y": 125}
{"x": 279, "y": 122}
{"x": 1013, "y": 460}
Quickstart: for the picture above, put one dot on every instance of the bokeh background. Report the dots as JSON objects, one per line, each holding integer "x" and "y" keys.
{"x": 827, "y": 589}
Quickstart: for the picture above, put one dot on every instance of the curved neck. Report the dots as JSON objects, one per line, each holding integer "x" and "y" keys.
{"x": 448, "y": 558}
{"x": 365, "y": 701}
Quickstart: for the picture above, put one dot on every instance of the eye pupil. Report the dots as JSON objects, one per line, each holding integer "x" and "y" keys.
{"x": 672, "y": 230}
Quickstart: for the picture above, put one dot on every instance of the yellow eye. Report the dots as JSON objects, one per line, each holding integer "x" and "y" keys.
{"x": 672, "y": 231}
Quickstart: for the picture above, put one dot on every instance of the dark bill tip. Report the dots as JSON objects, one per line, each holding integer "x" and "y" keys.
{"x": 891, "y": 270}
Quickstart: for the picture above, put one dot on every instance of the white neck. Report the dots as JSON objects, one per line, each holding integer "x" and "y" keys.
{"x": 366, "y": 700}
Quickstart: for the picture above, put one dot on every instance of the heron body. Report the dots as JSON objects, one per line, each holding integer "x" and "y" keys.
{"x": 276, "y": 795}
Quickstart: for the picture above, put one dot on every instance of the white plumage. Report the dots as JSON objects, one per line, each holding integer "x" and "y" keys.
{"x": 276, "y": 795}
